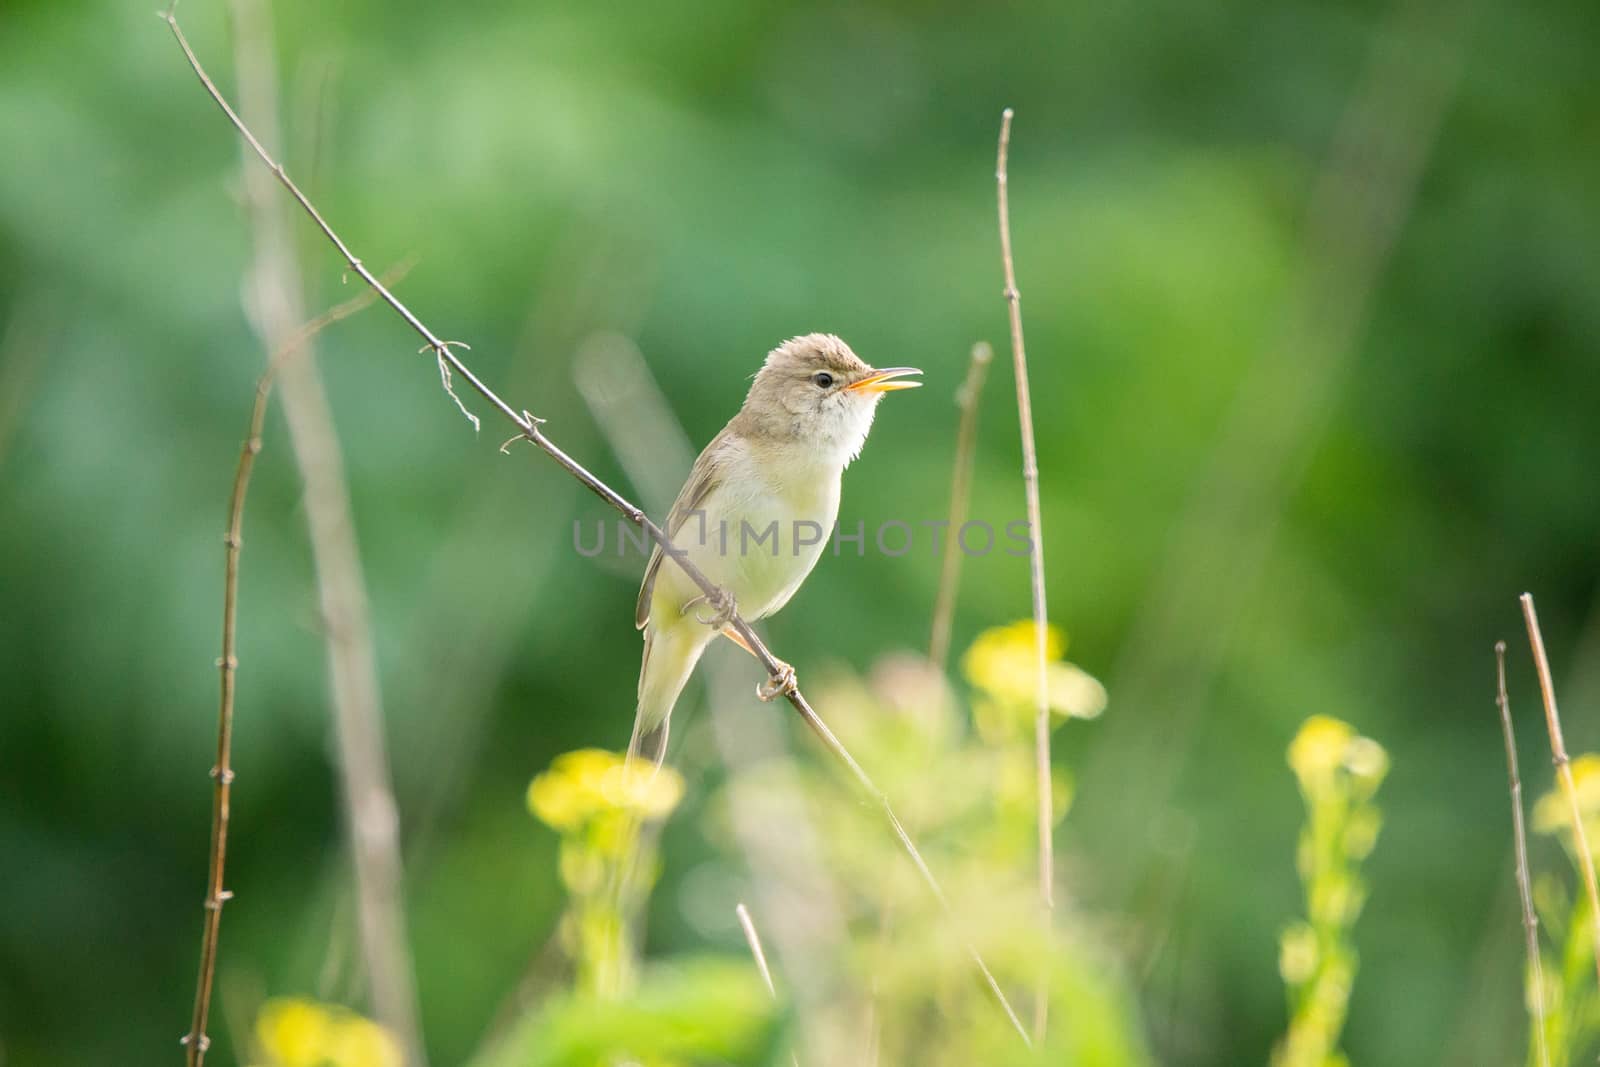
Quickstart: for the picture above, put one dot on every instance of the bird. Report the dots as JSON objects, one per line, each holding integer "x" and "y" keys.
{"x": 755, "y": 514}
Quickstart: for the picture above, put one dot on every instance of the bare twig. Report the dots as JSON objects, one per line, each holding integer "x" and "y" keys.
{"x": 754, "y": 940}
{"x": 1530, "y": 923}
{"x": 528, "y": 425}
{"x": 944, "y": 605}
{"x": 196, "y": 1042}
{"x": 1030, "y": 482}
{"x": 370, "y": 814}
{"x": 1558, "y": 753}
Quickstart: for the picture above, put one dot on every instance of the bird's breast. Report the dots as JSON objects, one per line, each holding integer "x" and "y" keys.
{"x": 771, "y": 527}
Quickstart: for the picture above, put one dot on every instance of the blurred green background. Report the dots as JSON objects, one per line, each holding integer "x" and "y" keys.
{"x": 1310, "y": 298}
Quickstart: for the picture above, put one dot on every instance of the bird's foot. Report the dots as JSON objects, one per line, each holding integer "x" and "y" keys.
{"x": 781, "y": 684}
{"x": 722, "y": 608}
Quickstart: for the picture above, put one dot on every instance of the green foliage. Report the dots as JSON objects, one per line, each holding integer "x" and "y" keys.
{"x": 694, "y": 1012}
{"x": 968, "y": 797}
{"x": 706, "y": 178}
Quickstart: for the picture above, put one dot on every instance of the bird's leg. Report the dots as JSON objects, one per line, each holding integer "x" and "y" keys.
{"x": 781, "y": 684}
{"x": 722, "y": 608}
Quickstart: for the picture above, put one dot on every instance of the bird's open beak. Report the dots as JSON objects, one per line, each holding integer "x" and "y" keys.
{"x": 882, "y": 381}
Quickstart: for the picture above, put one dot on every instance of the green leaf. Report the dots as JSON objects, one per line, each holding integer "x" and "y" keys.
{"x": 700, "y": 1011}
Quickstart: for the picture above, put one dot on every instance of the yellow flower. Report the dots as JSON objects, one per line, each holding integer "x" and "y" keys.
{"x": 1366, "y": 761}
{"x": 293, "y": 1032}
{"x": 1003, "y": 662}
{"x": 1318, "y": 750}
{"x": 1297, "y": 954}
{"x": 296, "y": 1032}
{"x": 581, "y": 785}
{"x": 358, "y": 1042}
{"x": 1553, "y": 814}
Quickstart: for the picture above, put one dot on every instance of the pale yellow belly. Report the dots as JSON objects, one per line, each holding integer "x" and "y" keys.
{"x": 759, "y": 546}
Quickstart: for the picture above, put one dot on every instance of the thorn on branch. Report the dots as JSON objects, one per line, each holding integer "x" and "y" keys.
{"x": 526, "y": 435}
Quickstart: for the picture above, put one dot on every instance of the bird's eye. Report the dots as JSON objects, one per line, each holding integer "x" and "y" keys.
{"x": 823, "y": 379}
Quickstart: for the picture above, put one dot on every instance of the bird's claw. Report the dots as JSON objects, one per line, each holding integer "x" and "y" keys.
{"x": 781, "y": 684}
{"x": 722, "y": 608}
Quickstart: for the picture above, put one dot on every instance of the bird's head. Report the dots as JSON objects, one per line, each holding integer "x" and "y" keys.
{"x": 813, "y": 390}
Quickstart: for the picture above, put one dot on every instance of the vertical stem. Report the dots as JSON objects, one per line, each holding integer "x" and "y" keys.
{"x": 1030, "y": 481}
{"x": 371, "y": 816}
{"x": 944, "y": 605}
{"x": 1558, "y": 753}
{"x": 195, "y": 1041}
{"x": 1530, "y": 924}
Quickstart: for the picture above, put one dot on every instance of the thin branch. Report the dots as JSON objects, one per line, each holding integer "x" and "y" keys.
{"x": 196, "y": 1042}
{"x": 367, "y": 796}
{"x": 1530, "y": 924}
{"x": 944, "y": 605}
{"x": 754, "y": 939}
{"x": 1030, "y": 482}
{"x": 1558, "y": 752}
{"x": 528, "y": 425}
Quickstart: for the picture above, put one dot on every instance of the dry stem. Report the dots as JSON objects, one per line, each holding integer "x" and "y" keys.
{"x": 371, "y": 818}
{"x": 196, "y": 1041}
{"x": 1558, "y": 752}
{"x": 750, "y": 935}
{"x": 944, "y": 605}
{"x": 754, "y": 939}
{"x": 528, "y": 427}
{"x": 1530, "y": 924}
{"x": 1030, "y": 482}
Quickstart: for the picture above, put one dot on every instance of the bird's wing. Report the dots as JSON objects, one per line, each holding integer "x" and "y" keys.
{"x": 703, "y": 477}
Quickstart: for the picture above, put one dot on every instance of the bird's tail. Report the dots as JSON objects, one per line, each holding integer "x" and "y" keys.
{"x": 670, "y": 655}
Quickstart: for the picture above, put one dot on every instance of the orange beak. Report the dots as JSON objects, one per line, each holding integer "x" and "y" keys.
{"x": 882, "y": 381}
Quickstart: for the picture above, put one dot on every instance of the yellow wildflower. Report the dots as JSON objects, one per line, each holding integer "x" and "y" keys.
{"x": 1003, "y": 663}
{"x": 293, "y": 1032}
{"x": 583, "y": 785}
{"x": 1297, "y": 954}
{"x": 358, "y": 1042}
{"x": 296, "y": 1032}
{"x": 1318, "y": 751}
{"x": 1553, "y": 814}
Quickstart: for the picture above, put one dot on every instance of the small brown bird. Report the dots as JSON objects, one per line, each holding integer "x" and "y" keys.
{"x": 756, "y": 512}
